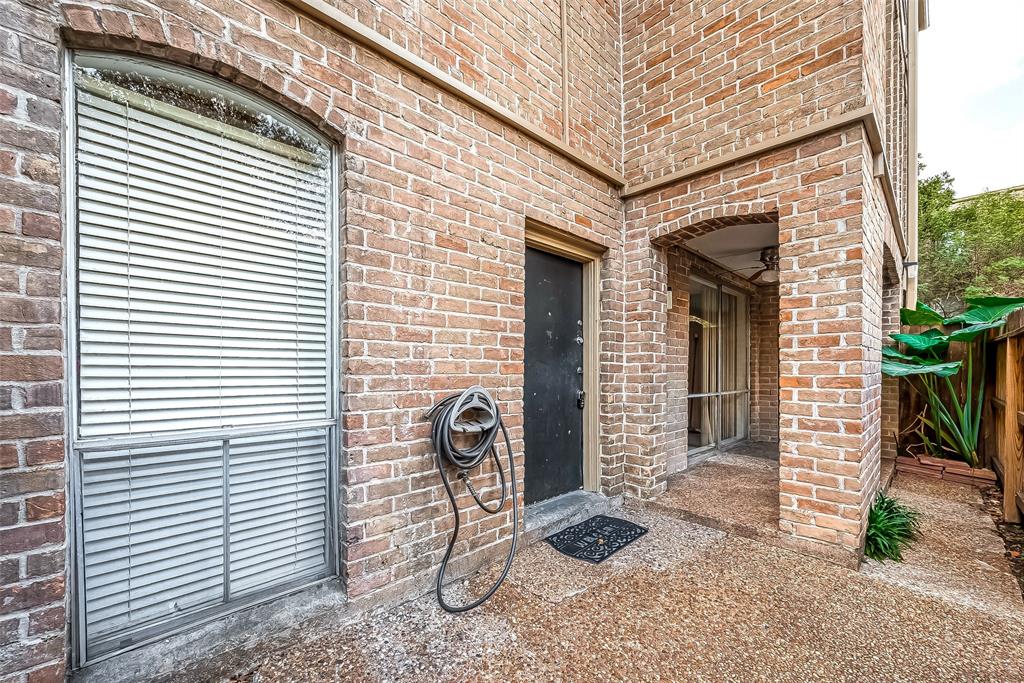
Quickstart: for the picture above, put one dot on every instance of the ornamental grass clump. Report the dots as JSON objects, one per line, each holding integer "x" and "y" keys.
{"x": 950, "y": 424}
{"x": 891, "y": 528}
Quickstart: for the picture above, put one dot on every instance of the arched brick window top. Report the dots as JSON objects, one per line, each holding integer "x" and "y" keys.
{"x": 686, "y": 232}
{"x": 890, "y": 268}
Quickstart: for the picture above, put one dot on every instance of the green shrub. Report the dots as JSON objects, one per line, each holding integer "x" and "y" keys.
{"x": 891, "y": 528}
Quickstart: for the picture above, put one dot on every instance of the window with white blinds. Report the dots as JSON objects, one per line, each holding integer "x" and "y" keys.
{"x": 204, "y": 336}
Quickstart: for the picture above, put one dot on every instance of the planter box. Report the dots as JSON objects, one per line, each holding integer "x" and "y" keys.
{"x": 950, "y": 470}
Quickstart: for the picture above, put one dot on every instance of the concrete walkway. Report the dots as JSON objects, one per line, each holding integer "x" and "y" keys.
{"x": 686, "y": 602}
{"x": 960, "y": 557}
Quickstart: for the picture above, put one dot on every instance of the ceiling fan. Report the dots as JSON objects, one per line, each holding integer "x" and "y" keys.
{"x": 770, "y": 273}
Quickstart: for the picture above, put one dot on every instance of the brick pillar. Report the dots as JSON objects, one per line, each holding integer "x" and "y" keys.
{"x": 891, "y": 295}
{"x": 676, "y": 355}
{"x": 644, "y": 376}
{"x": 829, "y": 350}
{"x": 32, "y": 498}
{"x": 764, "y": 364}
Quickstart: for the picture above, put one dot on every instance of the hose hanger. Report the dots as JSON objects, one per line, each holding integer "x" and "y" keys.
{"x": 472, "y": 412}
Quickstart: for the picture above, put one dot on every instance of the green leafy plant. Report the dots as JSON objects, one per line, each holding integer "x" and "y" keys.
{"x": 950, "y": 425}
{"x": 891, "y": 528}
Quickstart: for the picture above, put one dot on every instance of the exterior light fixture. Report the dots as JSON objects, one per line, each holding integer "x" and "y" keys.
{"x": 769, "y": 275}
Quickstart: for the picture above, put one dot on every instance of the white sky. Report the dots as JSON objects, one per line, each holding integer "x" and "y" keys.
{"x": 971, "y": 93}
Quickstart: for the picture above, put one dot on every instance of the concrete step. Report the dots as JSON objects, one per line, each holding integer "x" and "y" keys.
{"x": 540, "y": 520}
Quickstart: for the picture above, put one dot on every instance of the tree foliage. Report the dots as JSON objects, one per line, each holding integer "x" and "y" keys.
{"x": 968, "y": 249}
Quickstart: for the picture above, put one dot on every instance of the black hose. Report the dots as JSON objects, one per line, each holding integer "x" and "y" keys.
{"x": 445, "y": 423}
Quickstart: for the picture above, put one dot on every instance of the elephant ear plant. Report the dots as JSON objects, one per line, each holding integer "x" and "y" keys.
{"x": 951, "y": 423}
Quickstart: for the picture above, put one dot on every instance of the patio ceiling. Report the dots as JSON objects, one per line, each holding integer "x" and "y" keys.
{"x": 737, "y": 248}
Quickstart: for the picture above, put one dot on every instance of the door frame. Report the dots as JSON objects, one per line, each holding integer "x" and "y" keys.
{"x": 553, "y": 241}
{"x": 702, "y": 453}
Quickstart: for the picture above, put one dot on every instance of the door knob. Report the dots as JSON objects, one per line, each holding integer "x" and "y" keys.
{"x": 581, "y": 398}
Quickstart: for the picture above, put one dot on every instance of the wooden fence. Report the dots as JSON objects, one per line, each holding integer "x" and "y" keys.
{"x": 1004, "y": 432}
{"x": 1001, "y": 445}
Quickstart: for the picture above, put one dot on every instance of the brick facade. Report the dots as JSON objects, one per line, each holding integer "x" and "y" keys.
{"x": 830, "y": 322}
{"x": 707, "y": 77}
{"x": 436, "y": 195}
{"x": 756, "y": 72}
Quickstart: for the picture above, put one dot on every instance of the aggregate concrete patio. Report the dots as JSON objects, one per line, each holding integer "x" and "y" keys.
{"x": 687, "y": 602}
{"x": 735, "y": 491}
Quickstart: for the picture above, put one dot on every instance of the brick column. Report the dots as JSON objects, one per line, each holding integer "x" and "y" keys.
{"x": 891, "y": 295}
{"x": 677, "y": 345}
{"x": 32, "y": 498}
{"x": 829, "y": 349}
{"x": 644, "y": 376}
{"x": 764, "y": 364}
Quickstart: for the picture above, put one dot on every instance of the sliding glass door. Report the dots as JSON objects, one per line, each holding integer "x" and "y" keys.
{"x": 718, "y": 373}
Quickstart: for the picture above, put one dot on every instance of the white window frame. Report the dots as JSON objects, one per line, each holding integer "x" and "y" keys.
{"x": 74, "y": 446}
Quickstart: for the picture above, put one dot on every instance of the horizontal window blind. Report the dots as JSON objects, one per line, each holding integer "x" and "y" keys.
{"x": 278, "y": 508}
{"x": 203, "y": 306}
{"x": 153, "y": 526}
{"x": 169, "y": 530}
{"x": 202, "y": 278}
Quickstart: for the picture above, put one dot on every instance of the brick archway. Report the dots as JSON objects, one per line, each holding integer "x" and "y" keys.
{"x": 708, "y": 220}
{"x": 645, "y": 456}
{"x": 830, "y": 241}
{"x": 761, "y": 422}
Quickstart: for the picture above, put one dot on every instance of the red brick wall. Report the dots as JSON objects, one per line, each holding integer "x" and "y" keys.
{"x": 876, "y": 52}
{"x": 764, "y": 364}
{"x": 676, "y": 360}
{"x": 511, "y": 51}
{"x": 595, "y": 79}
{"x": 706, "y": 77}
{"x": 32, "y": 544}
{"x": 435, "y": 199}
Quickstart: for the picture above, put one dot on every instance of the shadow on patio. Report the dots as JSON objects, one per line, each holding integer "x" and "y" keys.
{"x": 736, "y": 491}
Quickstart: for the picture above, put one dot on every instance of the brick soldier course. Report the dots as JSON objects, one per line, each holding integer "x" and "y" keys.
{"x": 634, "y": 126}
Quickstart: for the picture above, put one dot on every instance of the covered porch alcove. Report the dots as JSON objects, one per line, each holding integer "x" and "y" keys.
{"x": 722, "y": 375}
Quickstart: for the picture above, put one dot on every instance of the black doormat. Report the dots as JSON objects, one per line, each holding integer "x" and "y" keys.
{"x": 596, "y": 539}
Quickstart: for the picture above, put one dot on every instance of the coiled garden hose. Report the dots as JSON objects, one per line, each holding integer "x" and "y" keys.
{"x": 472, "y": 412}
